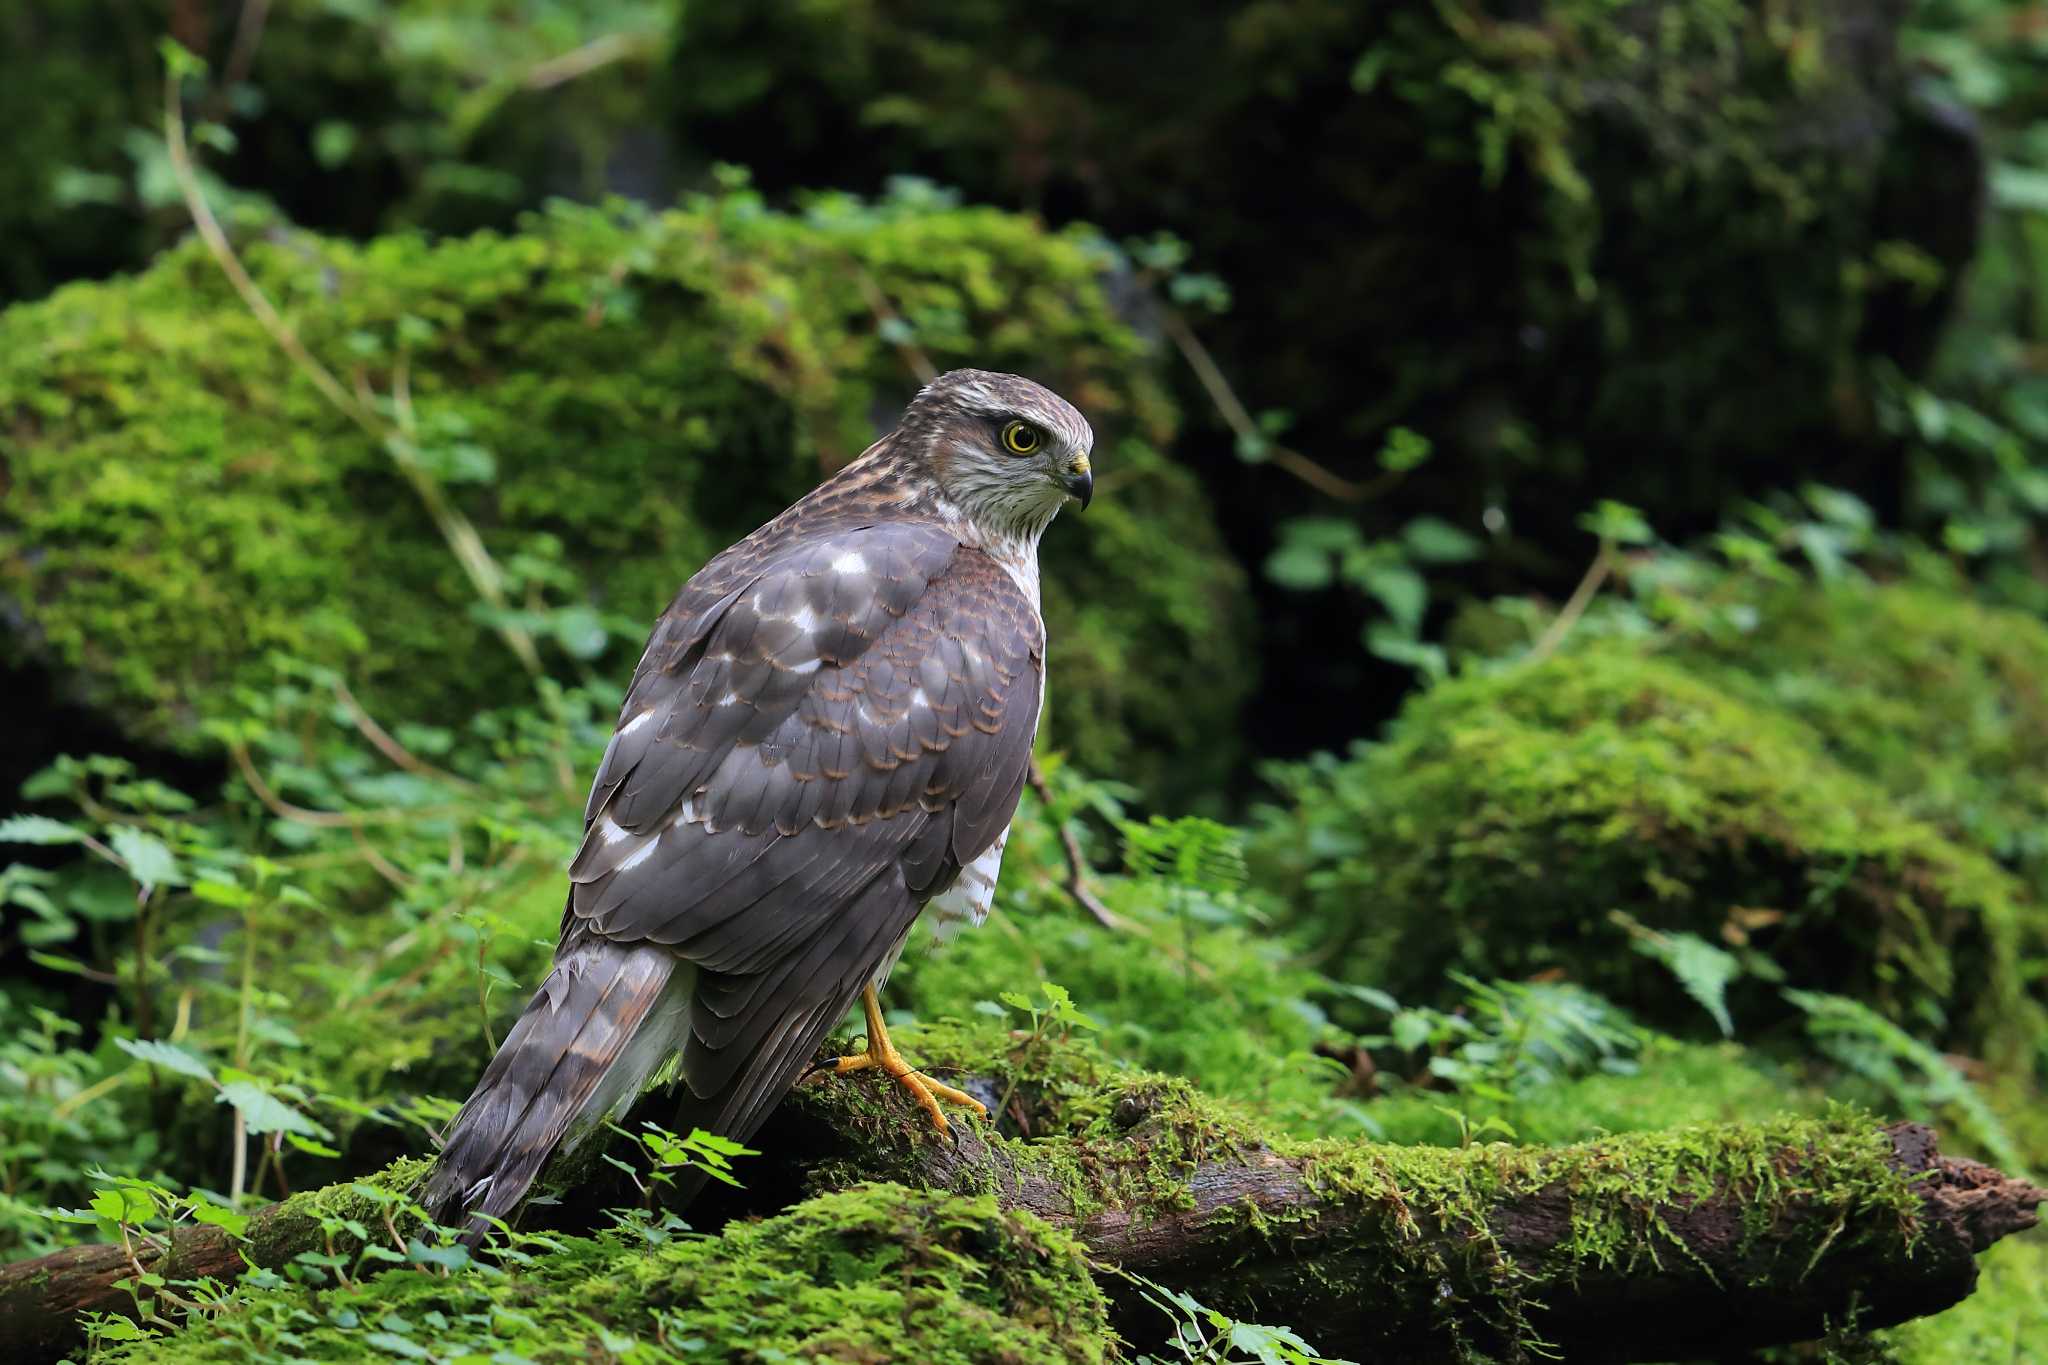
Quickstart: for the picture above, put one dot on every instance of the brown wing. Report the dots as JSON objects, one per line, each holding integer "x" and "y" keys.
{"x": 813, "y": 746}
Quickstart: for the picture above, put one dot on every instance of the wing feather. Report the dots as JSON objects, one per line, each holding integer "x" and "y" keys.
{"x": 821, "y": 735}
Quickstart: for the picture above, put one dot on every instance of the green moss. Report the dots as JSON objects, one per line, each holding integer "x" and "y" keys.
{"x": 2004, "y": 1321}
{"x": 1671, "y": 1084}
{"x": 1935, "y": 697}
{"x": 1509, "y": 811}
{"x": 610, "y": 397}
{"x": 294, "y": 1224}
{"x": 871, "y": 1273}
{"x": 1192, "y": 986}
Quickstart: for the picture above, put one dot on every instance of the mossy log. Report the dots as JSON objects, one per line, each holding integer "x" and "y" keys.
{"x": 1732, "y": 1235}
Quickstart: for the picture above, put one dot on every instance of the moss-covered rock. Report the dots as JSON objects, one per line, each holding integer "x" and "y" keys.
{"x": 1509, "y": 813}
{"x": 610, "y": 397}
{"x": 873, "y": 1273}
{"x": 1939, "y": 699}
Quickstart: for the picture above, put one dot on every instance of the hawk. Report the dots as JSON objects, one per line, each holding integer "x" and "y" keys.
{"x": 828, "y": 732}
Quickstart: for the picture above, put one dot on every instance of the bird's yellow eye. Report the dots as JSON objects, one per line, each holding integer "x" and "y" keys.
{"x": 1021, "y": 438}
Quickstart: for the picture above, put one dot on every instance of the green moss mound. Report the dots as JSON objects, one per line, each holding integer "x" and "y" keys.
{"x": 873, "y": 1273}
{"x": 2004, "y": 1320}
{"x": 610, "y": 397}
{"x": 1941, "y": 700}
{"x": 1509, "y": 812}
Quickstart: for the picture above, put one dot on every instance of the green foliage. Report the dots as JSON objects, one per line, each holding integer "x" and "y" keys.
{"x": 2001, "y": 1320}
{"x": 875, "y": 1272}
{"x": 1509, "y": 811}
{"x": 1701, "y": 969}
{"x": 1201, "y": 1335}
{"x": 1934, "y": 697}
{"x": 1912, "y": 1077}
{"x": 1502, "y": 205}
{"x": 611, "y": 396}
{"x": 344, "y": 939}
{"x": 360, "y": 116}
{"x": 1193, "y": 982}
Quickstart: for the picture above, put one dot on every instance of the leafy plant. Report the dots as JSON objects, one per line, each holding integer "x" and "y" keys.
{"x": 1913, "y": 1076}
{"x": 1200, "y": 1335}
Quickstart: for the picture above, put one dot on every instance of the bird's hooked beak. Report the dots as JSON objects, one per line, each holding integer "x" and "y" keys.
{"x": 1080, "y": 480}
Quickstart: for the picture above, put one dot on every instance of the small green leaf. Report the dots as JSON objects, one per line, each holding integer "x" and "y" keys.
{"x": 214, "y": 1215}
{"x": 166, "y": 1055}
{"x": 263, "y": 1112}
{"x": 1400, "y": 590}
{"x": 114, "y": 1327}
{"x": 148, "y": 859}
{"x": 1302, "y": 567}
{"x": 1435, "y": 541}
{"x": 1618, "y": 522}
{"x": 1404, "y": 450}
{"x": 179, "y": 60}
{"x": 38, "y": 829}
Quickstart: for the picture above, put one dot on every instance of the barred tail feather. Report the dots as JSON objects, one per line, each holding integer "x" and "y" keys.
{"x": 606, "y": 1019}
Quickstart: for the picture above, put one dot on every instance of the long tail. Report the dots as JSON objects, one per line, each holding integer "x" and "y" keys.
{"x": 588, "y": 1042}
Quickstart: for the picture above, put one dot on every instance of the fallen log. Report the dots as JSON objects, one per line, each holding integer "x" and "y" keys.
{"x": 1634, "y": 1247}
{"x": 1722, "y": 1238}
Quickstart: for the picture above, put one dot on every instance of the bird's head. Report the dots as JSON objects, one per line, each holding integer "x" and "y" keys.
{"x": 1006, "y": 451}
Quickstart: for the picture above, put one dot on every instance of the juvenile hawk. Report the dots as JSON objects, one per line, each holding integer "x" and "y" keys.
{"x": 828, "y": 731}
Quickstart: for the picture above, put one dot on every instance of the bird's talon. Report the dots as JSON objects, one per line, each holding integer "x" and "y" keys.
{"x": 881, "y": 1054}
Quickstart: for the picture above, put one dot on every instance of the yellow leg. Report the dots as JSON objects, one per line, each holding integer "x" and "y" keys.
{"x": 882, "y": 1054}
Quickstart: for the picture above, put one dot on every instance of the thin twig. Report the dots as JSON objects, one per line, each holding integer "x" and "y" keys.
{"x": 325, "y": 819}
{"x": 239, "y": 1173}
{"x": 592, "y": 56}
{"x": 1077, "y": 866}
{"x": 482, "y": 571}
{"x": 390, "y": 747}
{"x": 379, "y": 864}
{"x": 162, "y": 1292}
{"x": 878, "y": 303}
{"x": 1239, "y": 419}
{"x": 483, "y": 995}
{"x": 248, "y": 35}
{"x": 1575, "y": 605}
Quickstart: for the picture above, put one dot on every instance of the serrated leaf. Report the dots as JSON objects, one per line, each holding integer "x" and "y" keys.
{"x": 263, "y": 1112}
{"x": 148, "y": 859}
{"x": 220, "y": 1216}
{"x": 166, "y": 1055}
{"x": 38, "y": 829}
{"x": 114, "y": 1327}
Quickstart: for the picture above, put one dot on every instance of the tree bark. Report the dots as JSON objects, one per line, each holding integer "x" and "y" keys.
{"x": 1635, "y": 1247}
{"x": 1559, "y": 1254}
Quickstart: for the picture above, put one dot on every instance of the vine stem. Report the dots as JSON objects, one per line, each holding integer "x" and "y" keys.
{"x": 460, "y": 534}
{"x": 1575, "y": 605}
{"x": 1239, "y": 419}
{"x": 1077, "y": 865}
